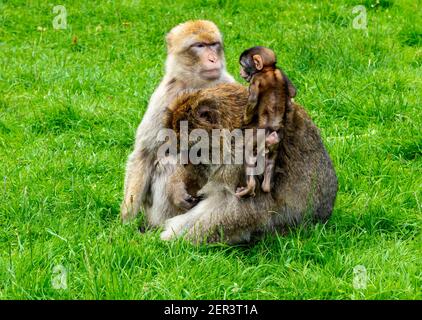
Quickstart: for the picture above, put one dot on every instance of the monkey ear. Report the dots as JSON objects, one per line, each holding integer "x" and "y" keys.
{"x": 207, "y": 112}
{"x": 257, "y": 59}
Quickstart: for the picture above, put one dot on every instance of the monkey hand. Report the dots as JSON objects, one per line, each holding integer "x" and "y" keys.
{"x": 243, "y": 192}
{"x": 184, "y": 200}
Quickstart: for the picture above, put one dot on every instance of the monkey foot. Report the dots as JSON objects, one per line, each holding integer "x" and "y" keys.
{"x": 176, "y": 226}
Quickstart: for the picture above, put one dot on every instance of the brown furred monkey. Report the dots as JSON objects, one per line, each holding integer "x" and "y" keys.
{"x": 270, "y": 94}
{"x": 195, "y": 60}
{"x": 205, "y": 114}
{"x": 304, "y": 180}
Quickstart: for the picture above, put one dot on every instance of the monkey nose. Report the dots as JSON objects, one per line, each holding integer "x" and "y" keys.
{"x": 212, "y": 58}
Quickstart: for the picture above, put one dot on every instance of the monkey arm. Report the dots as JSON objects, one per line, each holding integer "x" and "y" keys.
{"x": 252, "y": 100}
{"x": 141, "y": 164}
{"x": 137, "y": 184}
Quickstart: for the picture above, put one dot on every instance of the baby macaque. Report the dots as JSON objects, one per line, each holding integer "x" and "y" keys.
{"x": 270, "y": 94}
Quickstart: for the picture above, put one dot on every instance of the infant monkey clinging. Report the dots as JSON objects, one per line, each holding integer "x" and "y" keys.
{"x": 270, "y": 93}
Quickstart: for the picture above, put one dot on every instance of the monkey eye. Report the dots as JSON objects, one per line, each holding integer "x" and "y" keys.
{"x": 215, "y": 45}
{"x": 198, "y": 45}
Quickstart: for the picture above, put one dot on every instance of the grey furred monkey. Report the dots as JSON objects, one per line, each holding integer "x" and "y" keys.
{"x": 195, "y": 60}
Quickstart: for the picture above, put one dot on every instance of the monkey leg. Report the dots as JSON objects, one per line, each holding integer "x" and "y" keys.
{"x": 162, "y": 205}
{"x": 268, "y": 173}
{"x": 250, "y": 161}
{"x": 271, "y": 149}
{"x": 249, "y": 190}
{"x": 220, "y": 217}
{"x": 221, "y": 212}
{"x": 137, "y": 182}
{"x": 270, "y": 159}
{"x": 178, "y": 225}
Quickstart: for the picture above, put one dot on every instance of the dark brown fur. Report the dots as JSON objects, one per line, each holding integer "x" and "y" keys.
{"x": 304, "y": 178}
{"x": 204, "y": 112}
{"x": 270, "y": 94}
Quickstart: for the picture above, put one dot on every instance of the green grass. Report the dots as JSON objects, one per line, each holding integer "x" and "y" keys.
{"x": 68, "y": 114}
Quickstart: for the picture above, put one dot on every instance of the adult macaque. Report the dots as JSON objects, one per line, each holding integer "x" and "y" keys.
{"x": 207, "y": 114}
{"x": 270, "y": 94}
{"x": 304, "y": 179}
{"x": 195, "y": 60}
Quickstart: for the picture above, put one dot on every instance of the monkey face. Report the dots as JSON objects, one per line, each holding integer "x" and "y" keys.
{"x": 244, "y": 74}
{"x": 208, "y": 57}
{"x": 247, "y": 70}
{"x": 195, "y": 52}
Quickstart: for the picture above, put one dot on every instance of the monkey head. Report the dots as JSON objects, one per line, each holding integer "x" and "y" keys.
{"x": 254, "y": 60}
{"x": 195, "y": 50}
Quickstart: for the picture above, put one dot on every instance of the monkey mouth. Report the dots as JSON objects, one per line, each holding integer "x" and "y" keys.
{"x": 247, "y": 78}
{"x": 211, "y": 73}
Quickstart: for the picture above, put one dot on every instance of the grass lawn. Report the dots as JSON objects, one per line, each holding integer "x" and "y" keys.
{"x": 70, "y": 102}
